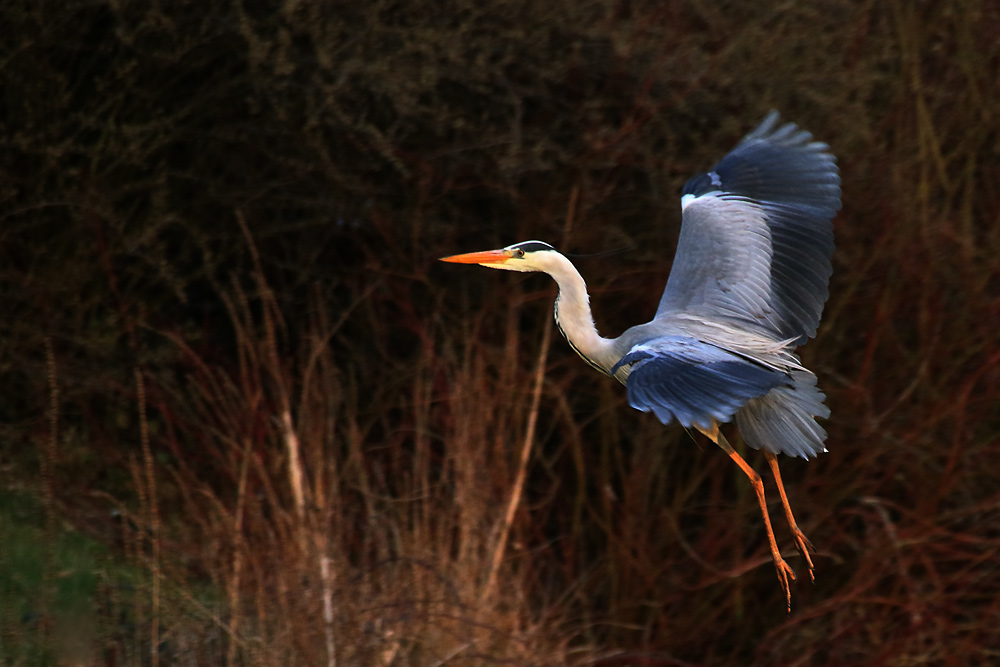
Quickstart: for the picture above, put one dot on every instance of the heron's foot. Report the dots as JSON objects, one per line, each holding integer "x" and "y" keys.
{"x": 804, "y": 546}
{"x": 786, "y": 575}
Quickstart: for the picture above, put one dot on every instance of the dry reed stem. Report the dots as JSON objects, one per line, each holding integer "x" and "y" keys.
{"x": 48, "y": 454}
{"x": 296, "y": 473}
{"x": 327, "y": 578}
{"x": 152, "y": 521}
{"x": 529, "y": 435}
{"x": 310, "y": 537}
{"x": 235, "y": 608}
{"x": 132, "y": 547}
{"x": 47, "y": 461}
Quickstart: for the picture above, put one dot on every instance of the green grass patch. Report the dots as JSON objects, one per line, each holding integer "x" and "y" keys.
{"x": 64, "y": 595}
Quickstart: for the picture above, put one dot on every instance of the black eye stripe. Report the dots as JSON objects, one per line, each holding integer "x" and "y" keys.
{"x": 533, "y": 246}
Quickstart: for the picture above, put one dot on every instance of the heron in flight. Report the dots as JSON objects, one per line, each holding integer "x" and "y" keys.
{"x": 747, "y": 287}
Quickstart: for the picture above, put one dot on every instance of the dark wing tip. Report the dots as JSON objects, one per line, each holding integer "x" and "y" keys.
{"x": 777, "y": 163}
{"x": 795, "y": 182}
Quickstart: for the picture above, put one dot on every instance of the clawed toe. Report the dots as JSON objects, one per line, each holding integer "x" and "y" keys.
{"x": 804, "y": 546}
{"x": 785, "y": 576}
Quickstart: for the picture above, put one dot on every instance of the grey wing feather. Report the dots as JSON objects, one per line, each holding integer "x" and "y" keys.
{"x": 783, "y": 420}
{"x": 694, "y": 382}
{"x": 756, "y": 237}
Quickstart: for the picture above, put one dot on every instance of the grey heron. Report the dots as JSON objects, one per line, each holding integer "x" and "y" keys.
{"x": 747, "y": 287}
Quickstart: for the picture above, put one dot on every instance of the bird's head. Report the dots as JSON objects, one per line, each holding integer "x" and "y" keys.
{"x": 524, "y": 256}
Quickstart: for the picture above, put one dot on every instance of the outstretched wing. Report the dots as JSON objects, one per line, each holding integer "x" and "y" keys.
{"x": 756, "y": 236}
{"x": 682, "y": 378}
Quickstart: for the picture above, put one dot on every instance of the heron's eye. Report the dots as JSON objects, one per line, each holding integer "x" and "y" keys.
{"x": 519, "y": 252}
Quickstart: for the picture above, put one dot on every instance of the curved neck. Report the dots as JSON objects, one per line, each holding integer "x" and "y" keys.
{"x": 574, "y": 318}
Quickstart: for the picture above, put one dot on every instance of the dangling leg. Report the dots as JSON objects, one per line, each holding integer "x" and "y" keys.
{"x": 802, "y": 542}
{"x": 785, "y": 573}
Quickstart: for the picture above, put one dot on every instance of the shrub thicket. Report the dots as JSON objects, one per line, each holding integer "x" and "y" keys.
{"x": 229, "y": 354}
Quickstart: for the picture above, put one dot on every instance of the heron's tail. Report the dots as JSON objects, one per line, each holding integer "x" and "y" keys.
{"x": 783, "y": 420}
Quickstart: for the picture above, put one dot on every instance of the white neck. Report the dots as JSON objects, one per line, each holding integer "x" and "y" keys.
{"x": 573, "y": 315}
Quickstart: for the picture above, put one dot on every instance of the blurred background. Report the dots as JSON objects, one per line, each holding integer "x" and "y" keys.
{"x": 248, "y": 419}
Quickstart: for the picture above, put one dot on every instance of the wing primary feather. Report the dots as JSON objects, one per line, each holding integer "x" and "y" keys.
{"x": 756, "y": 237}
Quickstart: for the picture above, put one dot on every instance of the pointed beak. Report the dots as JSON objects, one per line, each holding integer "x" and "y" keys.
{"x": 486, "y": 257}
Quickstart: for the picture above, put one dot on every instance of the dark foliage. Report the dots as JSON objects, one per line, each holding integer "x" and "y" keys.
{"x": 241, "y": 202}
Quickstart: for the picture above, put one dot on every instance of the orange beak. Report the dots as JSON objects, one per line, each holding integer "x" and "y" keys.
{"x": 485, "y": 257}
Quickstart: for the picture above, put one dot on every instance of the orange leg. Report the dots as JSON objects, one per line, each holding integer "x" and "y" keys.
{"x": 785, "y": 573}
{"x": 802, "y": 542}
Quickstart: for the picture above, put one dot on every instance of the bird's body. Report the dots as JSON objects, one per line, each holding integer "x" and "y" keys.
{"x": 754, "y": 363}
{"x": 747, "y": 286}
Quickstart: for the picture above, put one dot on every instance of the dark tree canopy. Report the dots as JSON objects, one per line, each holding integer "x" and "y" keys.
{"x": 242, "y": 202}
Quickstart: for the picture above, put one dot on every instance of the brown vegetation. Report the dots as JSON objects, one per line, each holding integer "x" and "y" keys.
{"x": 228, "y": 352}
